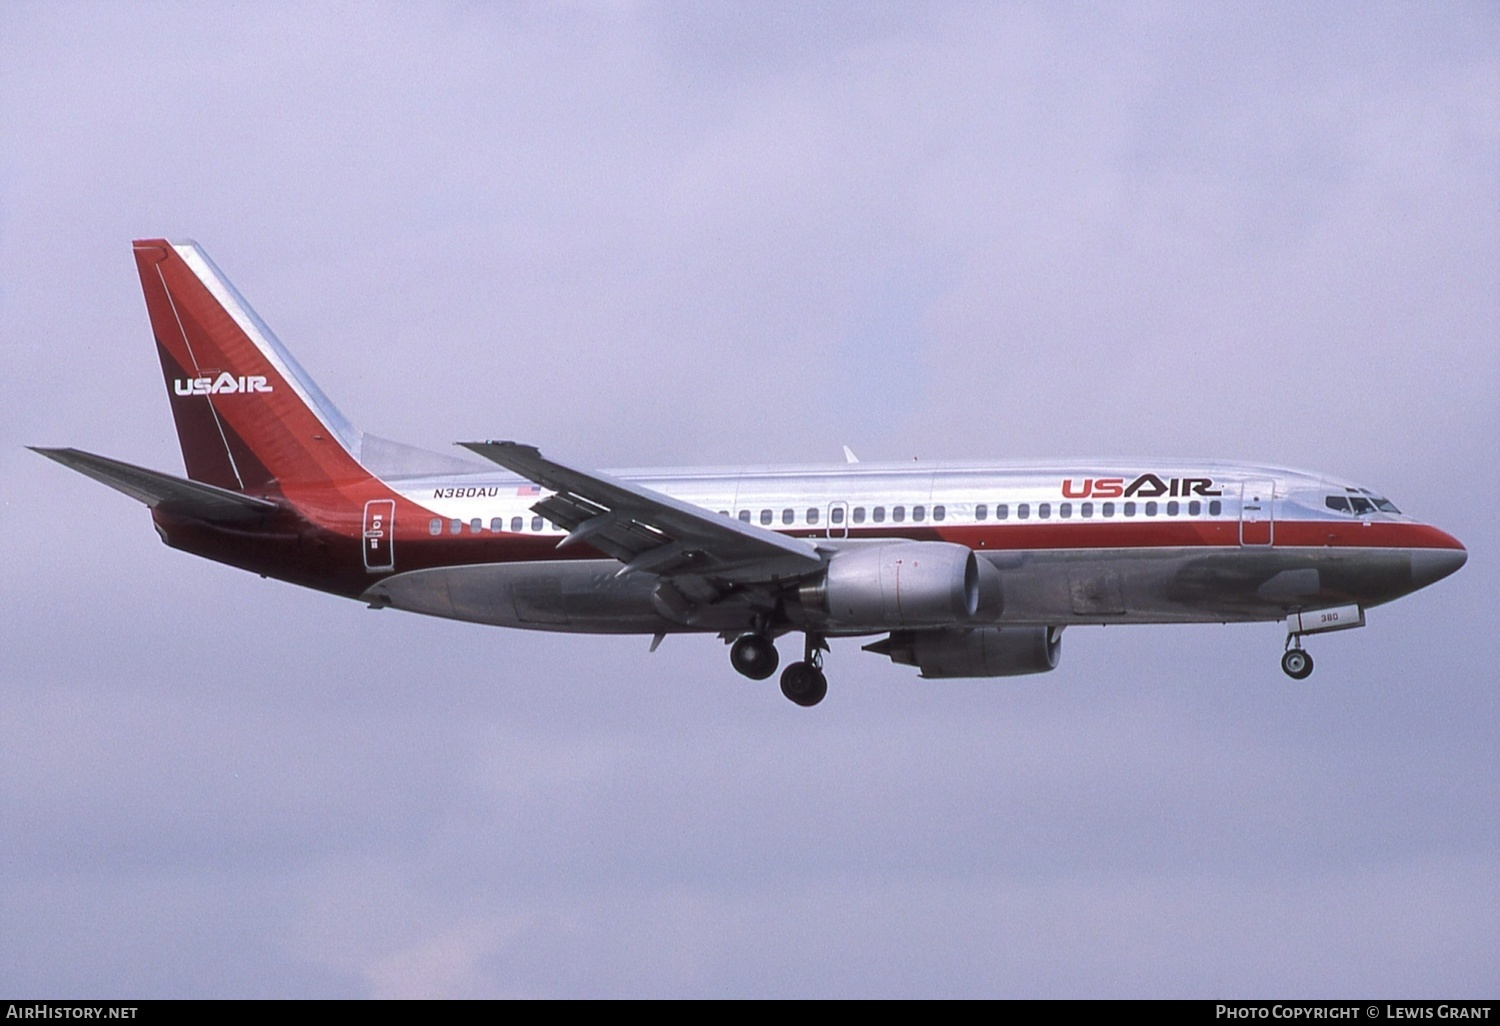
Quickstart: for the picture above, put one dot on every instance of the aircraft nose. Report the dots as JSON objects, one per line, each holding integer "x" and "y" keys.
{"x": 1429, "y": 565}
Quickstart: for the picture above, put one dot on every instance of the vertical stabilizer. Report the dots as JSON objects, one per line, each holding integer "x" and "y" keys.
{"x": 248, "y": 416}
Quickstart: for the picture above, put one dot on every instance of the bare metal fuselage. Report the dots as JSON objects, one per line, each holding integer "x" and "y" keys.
{"x": 1191, "y": 559}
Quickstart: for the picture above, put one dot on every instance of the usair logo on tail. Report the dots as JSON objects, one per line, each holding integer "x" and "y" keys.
{"x": 224, "y": 384}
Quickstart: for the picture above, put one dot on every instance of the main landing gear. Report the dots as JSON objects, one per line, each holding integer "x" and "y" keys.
{"x": 804, "y": 682}
{"x": 1296, "y": 663}
{"x": 754, "y": 656}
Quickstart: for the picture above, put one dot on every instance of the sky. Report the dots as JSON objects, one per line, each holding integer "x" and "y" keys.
{"x": 655, "y": 234}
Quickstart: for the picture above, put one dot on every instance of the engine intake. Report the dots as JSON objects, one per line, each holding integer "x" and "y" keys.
{"x": 977, "y": 652}
{"x": 900, "y": 584}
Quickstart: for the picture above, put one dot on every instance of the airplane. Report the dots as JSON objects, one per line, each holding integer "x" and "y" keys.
{"x": 967, "y": 570}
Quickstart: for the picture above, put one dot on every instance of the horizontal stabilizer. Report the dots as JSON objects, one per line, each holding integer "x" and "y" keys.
{"x": 163, "y": 491}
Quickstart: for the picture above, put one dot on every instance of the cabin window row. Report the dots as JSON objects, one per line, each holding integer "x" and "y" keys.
{"x": 1086, "y": 510}
{"x": 878, "y": 515}
{"x": 837, "y": 513}
{"x": 1002, "y": 511}
{"x": 497, "y": 525}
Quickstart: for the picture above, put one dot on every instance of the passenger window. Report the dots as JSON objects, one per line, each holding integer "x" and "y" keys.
{"x": 1023, "y": 511}
{"x": 1108, "y": 509}
{"x": 1065, "y": 510}
{"x": 1044, "y": 510}
{"x": 980, "y": 511}
{"x": 939, "y": 512}
{"x": 497, "y": 525}
{"x": 1150, "y": 509}
{"x": 765, "y": 517}
{"x": 1172, "y": 508}
{"x": 723, "y": 512}
{"x": 1195, "y": 508}
{"x": 515, "y": 525}
{"x": 435, "y": 526}
{"x": 1001, "y": 511}
{"x": 859, "y": 514}
{"x": 1130, "y": 509}
{"x": 919, "y": 513}
{"x": 1086, "y": 510}
{"x": 788, "y": 517}
{"x": 476, "y": 525}
{"x": 745, "y": 515}
{"x": 878, "y": 514}
{"x": 898, "y": 514}
{"x": 836, "y": 515}
{"x": 812, "y": 514}
{"x": 455, "y": 527}
{"x": 1215, "y": 508}
{"x": 536, "y": 523}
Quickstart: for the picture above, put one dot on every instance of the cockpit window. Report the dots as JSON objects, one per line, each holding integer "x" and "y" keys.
{"x": 1360, "y": 505}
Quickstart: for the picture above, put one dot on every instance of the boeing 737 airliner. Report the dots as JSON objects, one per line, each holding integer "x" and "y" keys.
{"x": 967, "y": 570}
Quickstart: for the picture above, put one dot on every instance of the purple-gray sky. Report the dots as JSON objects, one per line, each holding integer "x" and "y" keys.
{"x": 640, "y": 234}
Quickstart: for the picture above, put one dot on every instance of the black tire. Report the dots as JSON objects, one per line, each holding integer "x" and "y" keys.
{"x": 754, "y": 656}
{"x": 804, "y": 684}
{"x": 1296, "y": 664}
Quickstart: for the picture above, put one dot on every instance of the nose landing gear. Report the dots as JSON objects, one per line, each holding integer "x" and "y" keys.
{"x": 1296, "y": 663}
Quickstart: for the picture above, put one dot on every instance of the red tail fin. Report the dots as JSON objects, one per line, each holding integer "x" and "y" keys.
{"x": 248, "y": 416}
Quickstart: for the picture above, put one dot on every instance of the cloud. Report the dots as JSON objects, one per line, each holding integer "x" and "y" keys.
{"x": 659, "y": 234}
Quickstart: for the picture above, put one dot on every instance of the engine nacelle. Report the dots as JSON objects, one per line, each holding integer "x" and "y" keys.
{"x": 903, "y": 584}
{"x": 977, "y": 652}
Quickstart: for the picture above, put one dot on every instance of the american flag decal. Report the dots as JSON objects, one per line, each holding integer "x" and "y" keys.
{"x": 529, "y": 489}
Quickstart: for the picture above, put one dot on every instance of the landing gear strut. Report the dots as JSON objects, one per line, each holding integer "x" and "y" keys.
{"x": 804, "y": 682}
{"x": 754, "y": 656}
{"x": 1296, "y": 663}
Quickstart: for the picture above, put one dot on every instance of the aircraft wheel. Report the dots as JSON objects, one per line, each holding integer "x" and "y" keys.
{"x": 754, "y": 656}
{"x": 1296, "y": 664}
{"x": 804, "y": 684}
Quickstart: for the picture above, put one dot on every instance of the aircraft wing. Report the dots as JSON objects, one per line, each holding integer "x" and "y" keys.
{"x": 651, "y": 532}
{"x": 163, "y": 491}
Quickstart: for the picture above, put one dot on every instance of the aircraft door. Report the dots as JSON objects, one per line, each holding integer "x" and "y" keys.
{"x": 838, "y": 519}
{"x": 1257, "y": 505}
{"x": 380, "y": 528}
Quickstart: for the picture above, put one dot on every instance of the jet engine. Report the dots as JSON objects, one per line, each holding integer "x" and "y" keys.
{"x": 977, "y": 652}
{"x": 904, "y": 584}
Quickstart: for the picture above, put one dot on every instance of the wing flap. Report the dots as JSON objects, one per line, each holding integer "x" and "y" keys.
{"x": 640, "y": 521}
{"x": 163, "y": 491}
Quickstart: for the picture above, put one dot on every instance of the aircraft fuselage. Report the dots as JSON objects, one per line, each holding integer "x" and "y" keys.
{"x": 1092, "y": 546}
